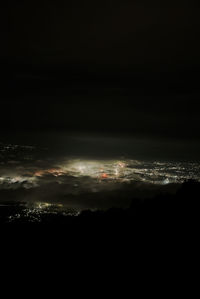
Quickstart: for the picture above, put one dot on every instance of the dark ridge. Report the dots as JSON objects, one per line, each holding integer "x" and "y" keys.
{"x": 175, "y": 211}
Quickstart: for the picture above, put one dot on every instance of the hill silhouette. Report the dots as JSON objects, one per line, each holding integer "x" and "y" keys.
{"x": 180, "y": 210}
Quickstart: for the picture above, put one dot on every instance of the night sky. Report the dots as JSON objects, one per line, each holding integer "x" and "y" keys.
{"x": 109, "y": 67}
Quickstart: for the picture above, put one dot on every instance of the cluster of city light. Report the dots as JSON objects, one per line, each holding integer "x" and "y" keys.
{"x": 95, "y": 168}
{"x": 51, "y": 171}
{"x": 99, "y": 170}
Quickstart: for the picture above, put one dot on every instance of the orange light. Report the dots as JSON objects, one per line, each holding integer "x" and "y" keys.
{"x": 104, "y": 176}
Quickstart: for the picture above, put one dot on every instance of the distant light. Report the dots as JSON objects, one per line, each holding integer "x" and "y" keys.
{"x": 104, "y": 176}
{"x": 166, "y": 182}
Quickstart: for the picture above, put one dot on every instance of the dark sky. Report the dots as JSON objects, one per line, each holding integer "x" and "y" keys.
{"x": 130, "y": 67}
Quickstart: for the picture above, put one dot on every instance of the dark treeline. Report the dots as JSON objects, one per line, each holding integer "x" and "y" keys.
{"x": 169, "y": 211}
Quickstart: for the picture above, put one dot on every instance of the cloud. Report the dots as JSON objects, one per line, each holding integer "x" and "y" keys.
{"x": 81, "y": 183}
